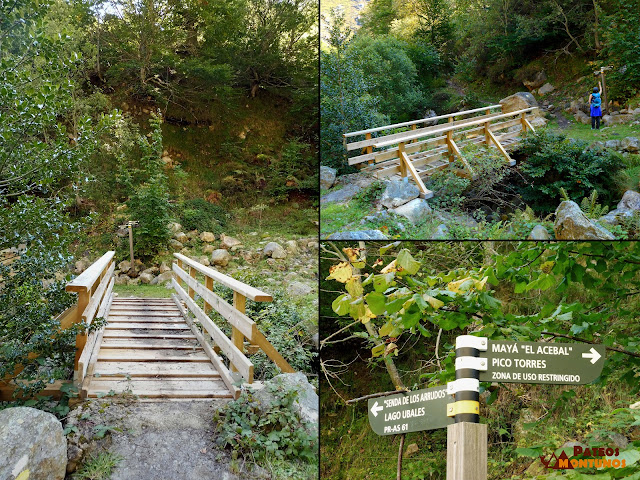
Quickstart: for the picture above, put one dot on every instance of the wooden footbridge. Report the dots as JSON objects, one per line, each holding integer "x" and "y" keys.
{"x": 411, "y": 150}
{"x": 166, "y": 349}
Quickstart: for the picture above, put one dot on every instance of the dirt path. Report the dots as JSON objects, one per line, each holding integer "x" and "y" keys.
{"x": 563, "y": 123}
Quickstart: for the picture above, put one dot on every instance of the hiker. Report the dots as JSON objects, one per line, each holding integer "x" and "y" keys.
{"x": 595, "y": 101}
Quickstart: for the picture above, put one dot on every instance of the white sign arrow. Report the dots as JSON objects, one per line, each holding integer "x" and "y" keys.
{"x": 375, "y": 408}
{"x": 594, "y": 355}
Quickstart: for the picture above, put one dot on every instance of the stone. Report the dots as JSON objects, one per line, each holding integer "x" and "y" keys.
{"x": 31, "y": 441}
{"x": 630, "y": 144}
{"x": 208, "y": 249}
{"x": 299, "y": 289}
{"x": 152, "y": 270}
{"x": 441, "y": 233}
{"x": 341, "y": 196}
{"x": 146, "y": 278}
{"x": 327, "y": 177}
{"x": 133, "y": 281}
{"x": 411, "y": 450}
{"x": 519, "y": 101}
{"x": 175, "y": 244}
{"x": 181, "y": 237}
{"x": 415, "y": 211}
{"x": 81, "y": 265}
{"x": 612, "y": 144}
{"x": 536, "y": 81}
{"x": 307, "y": 403}
{"x": 430, "y": 114}
{"x": 204, "y": 260}
{"x": 358, "y": 235}
{"x": 582, "y": 117}
{"x": 229, "y": 242}
{"x": 174, "y": 227}
{"x": 221, "y": 257}
{"x": 546, "y": 88}
{"x": 609, "y": 120}
{"x": 538, "y": 121}
{"x": 164, "y": 268}
{"x": 291, "y": 246}
{"x": 630, "y": 201}
{"x": 124, "y": 266}
{"x": 572, "y": 224}
{"x": 539, "y": 233}
{"x": 207, "y": 237}
{"x": 361, "y": 179}
{"x": 162, "y": 278}
{"x": 399, "y": 193}
{"x": 121, "y": 280}
{"x": 274, "y": 250}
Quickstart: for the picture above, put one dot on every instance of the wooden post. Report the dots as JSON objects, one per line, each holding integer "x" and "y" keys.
{"x": 450, "y": 141}
{"x": 413, "y": 127}
{"x": 239, "y": 303}
{"x": 83, "y": 300}
{"x": 487, "y": 140}
{"x": 208, "y": 283}
{"x": 192, "y": 273}
{"x": 467, "y": 451}
{"x": 131, "y": 243}
{"x": 403, "y": 167}
{"x": 604, "y": 92}
{"x": 369, "y": 148}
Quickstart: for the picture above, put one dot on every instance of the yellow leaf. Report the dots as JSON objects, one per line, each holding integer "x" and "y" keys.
{"x": 390, "y": 268}
{"x": 479, "y": 284}
{"x": 368, "y": 315}
{"x": 460, "y": 285}
{"x": 434, "y": 302}
{"x": 352, "y": 253}
{"x": 385, "y": 329}
{"x": 392, "y": 347}
{"x": 354, "y": 287}
{"x": 24, "y": 475}
{"x": 341, "y": 272}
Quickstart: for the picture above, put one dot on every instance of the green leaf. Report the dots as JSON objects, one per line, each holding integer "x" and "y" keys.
{"x": 377, "y": 302}
{"x": 341, "y": 304}
{"x": 529, "y": 452}
{"x": 378, "y": 350}
{"x": 407, "y": 262}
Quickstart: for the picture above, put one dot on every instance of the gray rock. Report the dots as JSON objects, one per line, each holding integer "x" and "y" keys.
{"x": 572, "y": 224}
{"x": 299, "y": 289}
{"x": 146, "y": 278}
{"x": 174, "y": 227}
{"x": 208, "y": 249}
{"x": 274, "y": 250}
{"x": 430, "y": 114}
{"x": 175, "y": 244}
{"x": 229, "y": 242}
{"x": 121, "y": 280}
{"x": 582, "y": 117}
{"x": 597, "y": 145}
{"x": 164, "y": 267}
{"x": 442, "y": 232}
{"x": 307, "y": 403}
{"x": 546, "y": 88}
{"x": 162, "y": 278}
{"x": 124, "y": 266}
{"x": 609, "y": 120}
{"x": 519, "y": 101}
{"x": 361, "y": 179}
{"x": 31, "y": 441}
{"x": 415, "y": 211}
{"x": 358, "y": 235}
{"x": 630, "y": 201}
{"x": 630, "y": 144}
{"x": 133, "y": 281}
{"x": 181, "y": 237}
{"x": 220, "y": 257}
{"x": 536, "y": 81}
{"x": 399, "y": 193}
{"x": 327, "y": 177}
{"x": 207, "y": 237}
{"x": 291, "y": 246}
{"x": 612, "y": 144}
{"x": 341, "y": 196}
{"x": 204, "y": 260}
{"x": 539, "y": 233}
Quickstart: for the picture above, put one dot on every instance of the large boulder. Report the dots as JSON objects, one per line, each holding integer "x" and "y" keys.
{"x": 612, "y": 144}
{"x": 629, "y": 204}
{"x": 546, "y": 88}
{"x": 609, "y": 120}
{"x": 415, "y": 210}
{"x": 299, "y": 289}
{"x": 342, "y": 195}
{"x": 146, "y": 278}
{"x": 572, "y": 224}
{"x": 327, "y": 177}
{"x": 361, "y": 179}
{"x": 539, "y": 233}
{"x": 359, "y": 235}
{"x": 181, "y": 237}
{"x": 162, "y": 278}
{"x": 221, "y": 257}
{"x": 536, "y": 81}
{"x": 33, "y": 445}
{"x": 399, "y": 193}
{"x": 207, "y": 237}
{"x": 274, "y": 250}
{"x": 175, "y": 244}
{"x": 306, "y": 403}
{"x": 582, "y": 117}
{"x": 174, "y": 227}
{"x": 124, "y": 266}
{"x": 441, "y": 233}
{"x": 229, "y": 242}
{"x": 208, "y": 249}
{"x": 519, "y": 101}
{"x": 630, "y": 144}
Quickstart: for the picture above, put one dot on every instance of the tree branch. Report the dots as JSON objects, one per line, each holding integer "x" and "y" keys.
{"x": 375, "y": 395}
{"x": 613, "y": 349}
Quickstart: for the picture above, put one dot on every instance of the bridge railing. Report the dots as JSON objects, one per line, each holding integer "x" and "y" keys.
{"x": 405, "y": 151}
{"x": 185, "y": 271}
{"x": 94, "y": 287}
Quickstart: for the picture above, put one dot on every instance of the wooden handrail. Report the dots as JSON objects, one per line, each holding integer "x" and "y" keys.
{"x": 422, "y": 120}
{"x": 235, "y": 285}
{"x": 449, "y": 128}
{"x": 87, "y": 279}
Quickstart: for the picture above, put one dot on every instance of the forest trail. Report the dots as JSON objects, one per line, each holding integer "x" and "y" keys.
{"x": 149, "y": 350}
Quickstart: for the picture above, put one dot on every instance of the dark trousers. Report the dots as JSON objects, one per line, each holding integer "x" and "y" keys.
{"x": 595, "y": 122}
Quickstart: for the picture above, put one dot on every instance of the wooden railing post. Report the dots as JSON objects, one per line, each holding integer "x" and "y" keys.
{"x": 449, "y": 141}
{"x": 81, "y": 339}
{"x": 178, "y": 278}
{"x": 192, "y": 274}
{"x": 403, "y": 167}
{"x": 413, "y": 127}
{"x": 523, "y": 121}
{"x": 208, "y": 284}
{"x": 487, "y": 139}
{"x": 237, "y": 338}
{"x": 369, "y": 148}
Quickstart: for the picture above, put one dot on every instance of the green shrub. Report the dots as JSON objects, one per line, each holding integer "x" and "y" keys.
{"x": 198, "y": 214}
{"x": 273, "y": 430}
{"x": 551, "y": 162}
{"x": 150, "y": 206}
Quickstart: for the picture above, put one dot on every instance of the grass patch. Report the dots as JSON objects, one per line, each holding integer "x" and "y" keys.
{"x": 99, "y": 467}
{"x": 584, "y": 132}
{"x": 334, "y": 216}
{"x": 144, "y": 291}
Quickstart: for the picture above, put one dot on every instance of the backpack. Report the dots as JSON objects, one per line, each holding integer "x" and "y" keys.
{"x": 596, "y": 100}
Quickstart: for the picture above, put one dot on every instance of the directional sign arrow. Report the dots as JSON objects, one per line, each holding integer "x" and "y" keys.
{"x": 410, "y": 411}
{"x": 593, "y": 355}
{"x": 376, "y": 408}
{"x": 541, "y": 362}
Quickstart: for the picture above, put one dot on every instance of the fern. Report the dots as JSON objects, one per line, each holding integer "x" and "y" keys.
{"x": 591, "y": 208}
{"x": 564, "y": 195}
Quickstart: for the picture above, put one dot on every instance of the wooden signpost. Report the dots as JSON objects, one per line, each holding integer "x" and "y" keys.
{"x": 457, "y": 405}
{"x": 130, "y": 225}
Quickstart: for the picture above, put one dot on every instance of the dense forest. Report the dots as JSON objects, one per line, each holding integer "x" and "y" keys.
{"x": 390, "y": 314}
{"x": 184, "y": 116}
{"x": 409, "y": 60}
